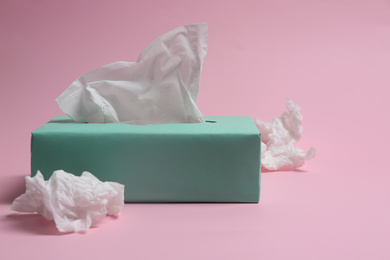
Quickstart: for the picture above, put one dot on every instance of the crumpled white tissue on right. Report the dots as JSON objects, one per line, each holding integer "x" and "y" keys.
{"x": 160, "y": 87}
{"x": 75, "y": 203}
{"x": 278, "y": 137}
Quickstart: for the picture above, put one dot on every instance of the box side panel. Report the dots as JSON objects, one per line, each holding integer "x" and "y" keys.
{"x": 158, "y": 168}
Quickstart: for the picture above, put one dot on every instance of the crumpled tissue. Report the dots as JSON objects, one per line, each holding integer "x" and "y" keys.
{"x": 75, "y": 203}
{"x": 160, "y": 87}
{"x": 278, "y": 137}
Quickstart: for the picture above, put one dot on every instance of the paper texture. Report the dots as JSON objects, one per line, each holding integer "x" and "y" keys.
{"x": 278, "y": 137}
{"x": 160, "y": 87}
{"x": 74, "y": 203}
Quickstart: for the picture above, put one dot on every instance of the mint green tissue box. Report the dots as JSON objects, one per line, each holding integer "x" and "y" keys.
{"x": 215, "y": 161}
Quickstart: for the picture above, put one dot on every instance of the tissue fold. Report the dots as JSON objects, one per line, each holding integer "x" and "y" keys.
{"x": 278, "y": 137}
{"x": 160, "y": 87}
{"x": 75, "y": 203}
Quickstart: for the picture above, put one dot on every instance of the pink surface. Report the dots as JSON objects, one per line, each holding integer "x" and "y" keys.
{"x": 331, "y": 57}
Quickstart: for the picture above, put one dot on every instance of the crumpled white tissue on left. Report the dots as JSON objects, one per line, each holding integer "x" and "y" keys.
{"x": 278, "y": 137}
{"x": 75, "y": 203}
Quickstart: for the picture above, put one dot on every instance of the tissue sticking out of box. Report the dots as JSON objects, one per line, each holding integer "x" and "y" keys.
{"x": 278, "y": 137}
{"x": 160, "y": 87}
{"x": 75, "y": 203}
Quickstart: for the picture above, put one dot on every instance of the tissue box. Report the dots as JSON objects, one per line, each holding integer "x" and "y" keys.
{"x": 215, "y": 161}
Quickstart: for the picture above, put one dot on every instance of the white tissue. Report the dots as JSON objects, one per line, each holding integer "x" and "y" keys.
{"x": 160, "y": 87}
{"x": 278, "y": 137}
{"x": 75, "y": 203}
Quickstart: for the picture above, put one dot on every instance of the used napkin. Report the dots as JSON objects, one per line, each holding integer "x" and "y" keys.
{"x": 278, "y": 137}
{"x": 75, "y": 203}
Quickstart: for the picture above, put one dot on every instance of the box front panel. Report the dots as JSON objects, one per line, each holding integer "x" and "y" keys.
{"x": 158, "y": 168}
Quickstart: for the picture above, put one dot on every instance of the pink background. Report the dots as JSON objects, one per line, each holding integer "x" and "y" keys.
{"x": 331, "y": 57}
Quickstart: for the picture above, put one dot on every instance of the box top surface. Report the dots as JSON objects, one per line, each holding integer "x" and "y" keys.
{"x": 242, "y": 125}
